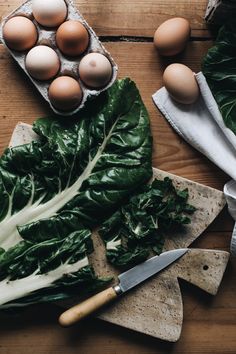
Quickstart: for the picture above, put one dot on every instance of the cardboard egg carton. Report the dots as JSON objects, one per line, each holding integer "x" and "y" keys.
{"x": 219, "y": 11}
{"x": 69, "y": 66}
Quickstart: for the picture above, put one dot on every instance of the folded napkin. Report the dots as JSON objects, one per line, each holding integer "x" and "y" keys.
{"x": 202, "y": 126}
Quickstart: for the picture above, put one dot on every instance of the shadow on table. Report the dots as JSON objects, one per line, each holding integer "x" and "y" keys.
{"x": 38, "y": 324}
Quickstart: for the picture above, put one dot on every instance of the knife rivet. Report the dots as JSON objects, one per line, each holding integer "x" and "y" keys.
{"x": 118, "y": 290}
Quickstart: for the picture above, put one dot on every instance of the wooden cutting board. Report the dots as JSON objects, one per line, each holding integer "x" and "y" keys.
{"x": 155, "y": 308}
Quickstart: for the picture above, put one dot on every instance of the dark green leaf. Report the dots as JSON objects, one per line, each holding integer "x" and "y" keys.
{"x": 140, "y": 226}
{"x": 53, "y": 191}
{"x": 219, "y": 68}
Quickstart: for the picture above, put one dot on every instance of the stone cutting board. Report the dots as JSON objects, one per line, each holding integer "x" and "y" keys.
{"x": 156, "y": 308}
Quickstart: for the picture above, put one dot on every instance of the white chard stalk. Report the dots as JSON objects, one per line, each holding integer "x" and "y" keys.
{"x": 13, "y": 289}
{"x": 9, "y": 235}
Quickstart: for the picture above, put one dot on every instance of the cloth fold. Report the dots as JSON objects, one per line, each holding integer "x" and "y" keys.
{"x": 202, "y": 126}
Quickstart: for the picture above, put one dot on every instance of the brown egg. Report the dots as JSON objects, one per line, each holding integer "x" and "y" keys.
{"x": 172, "y": 35}
{"x": 20, "y": 33}
{"x": 49, "y": 13}
{"x": 72, "y": 38}
{"x": 65, "y": 93}
{"x": 181, "y": 84}
{"x": 95, "y": 70}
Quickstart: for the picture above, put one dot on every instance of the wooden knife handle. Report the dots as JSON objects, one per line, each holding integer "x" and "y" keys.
{"x": 85, "y": 308}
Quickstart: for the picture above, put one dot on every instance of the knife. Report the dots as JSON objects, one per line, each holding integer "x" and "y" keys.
{"x": 127, "y": 281}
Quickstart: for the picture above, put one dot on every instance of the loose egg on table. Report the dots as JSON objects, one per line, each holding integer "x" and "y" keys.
{"x": 42, "y": 62}
{"x": 181, "y": 84}
{"x": 95, "y": 70}
{"x": 65, "y": 93}
{"x": 171, "y": 36}
{"x": 72, "y": 38}
{"x": 20, "y": 33}
{"x": 49, "y": 13}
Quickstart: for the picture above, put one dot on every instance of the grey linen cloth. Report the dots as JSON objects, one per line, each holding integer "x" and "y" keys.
{"x": 202, "y": 126}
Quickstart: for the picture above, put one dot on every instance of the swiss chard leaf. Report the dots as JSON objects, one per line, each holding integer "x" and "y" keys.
{"x": 219, "y": 68}
{"x": 79, "y": 171}
{"x": 139, "y": 227}
{"x": 53, "y": 191}
{"x": 54, "y": 268}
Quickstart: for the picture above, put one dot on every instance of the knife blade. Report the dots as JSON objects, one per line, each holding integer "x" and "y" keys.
{"x": 127, "y": 281}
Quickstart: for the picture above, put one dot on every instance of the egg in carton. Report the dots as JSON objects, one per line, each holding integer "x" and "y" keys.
{"x": 68, "y": 65}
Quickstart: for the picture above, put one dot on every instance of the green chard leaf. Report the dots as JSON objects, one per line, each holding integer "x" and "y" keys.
{"x": 55, "y": 190}
{"x": 139, "y": 227}
{"x": 219, "y": 68}
{"x": 57, "y": 268}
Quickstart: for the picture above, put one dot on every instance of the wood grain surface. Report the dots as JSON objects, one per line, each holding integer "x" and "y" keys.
{"x": 209, "y": 322}
{"x": 138, "y": 18}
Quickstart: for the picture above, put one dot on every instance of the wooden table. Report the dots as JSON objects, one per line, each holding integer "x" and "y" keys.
{"x": 127, "y": 27}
